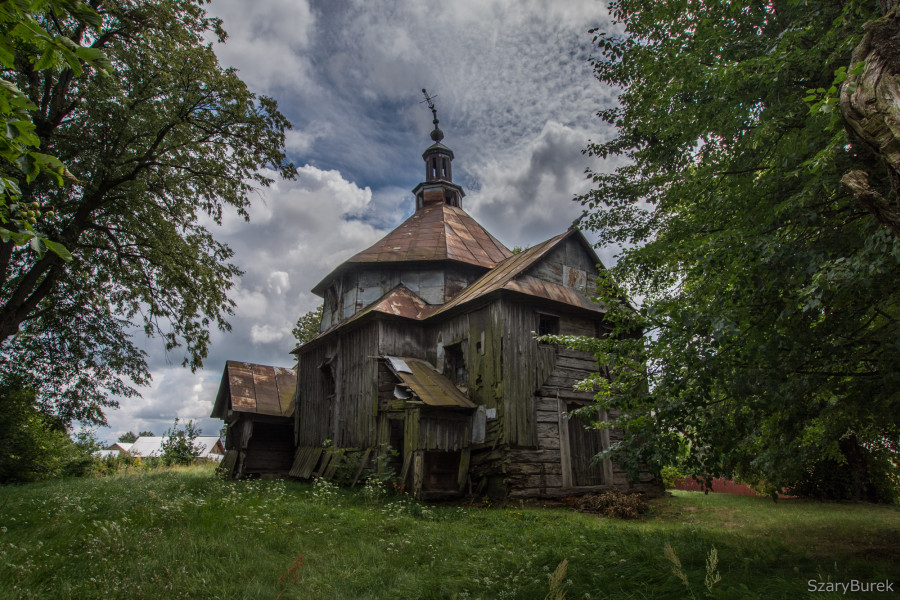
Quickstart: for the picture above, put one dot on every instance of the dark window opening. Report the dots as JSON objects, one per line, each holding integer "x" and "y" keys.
{"x": 548, "y": 325}
{"x": 444, "y": 167}
{"x": 441, "y": 471}
{"x": 455, "y": 364}
{"x": 395, "y": 441}
{"x": 327, "y": 370}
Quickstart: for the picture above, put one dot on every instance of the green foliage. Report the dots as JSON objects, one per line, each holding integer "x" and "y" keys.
{"x": 146, "y": 434}
{"x": 308, "y": 325}
{"x": 119, "y": 537}
{"x": 35, "y": 445}
{"x": 168, "y": 143}
{"x": 180, "y": 445}
{"x": 769, "y": 306}
{"x": 128, "y": 437}
{"x": 27, "y": 38}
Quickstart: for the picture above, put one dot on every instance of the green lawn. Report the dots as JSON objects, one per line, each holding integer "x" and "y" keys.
{"x": 184, "y": 534}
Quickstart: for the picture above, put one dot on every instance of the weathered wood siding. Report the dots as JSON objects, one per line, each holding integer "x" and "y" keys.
{"x": 525, "y": 366}
{"x": 355, "y": 290}
{"x": 314, "y": 406}
{"x": 569, "y": 264}
{"x": 356, "y": 402}
{"x": 346, "y": 417}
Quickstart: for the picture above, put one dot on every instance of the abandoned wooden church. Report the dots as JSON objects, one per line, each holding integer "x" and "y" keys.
{"x": 427, "y": 358}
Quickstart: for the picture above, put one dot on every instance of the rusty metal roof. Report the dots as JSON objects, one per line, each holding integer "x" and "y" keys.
{"x": 509, "y": 275}
{"x": 259, "y": 389}
{"x": 427, "y": 384}
{"x": 435, "y": 232}
{"x": 400, "y": 301}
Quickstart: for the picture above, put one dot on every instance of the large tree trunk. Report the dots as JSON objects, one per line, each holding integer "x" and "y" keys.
{"x": 870, "y": 105}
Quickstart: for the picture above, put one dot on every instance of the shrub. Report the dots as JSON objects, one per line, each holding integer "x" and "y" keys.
{"x": 613, "y": 503}
{"x": 180, "y": 446}
{"x": 36, "y": 445}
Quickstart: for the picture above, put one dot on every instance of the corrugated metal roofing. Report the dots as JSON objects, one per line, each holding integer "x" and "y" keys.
{"x": 258, "y": 389}
{"x": 428, "y": 385}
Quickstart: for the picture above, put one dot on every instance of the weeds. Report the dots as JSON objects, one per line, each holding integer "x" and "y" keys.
{"x": 182, "y": 533}
{"x": 557, "y": 582}
{"x": 613, "y": 503}
{"x": 712, "y": 569}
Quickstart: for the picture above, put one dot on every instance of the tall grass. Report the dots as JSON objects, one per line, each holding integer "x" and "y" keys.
{"x": 182, "y": 533}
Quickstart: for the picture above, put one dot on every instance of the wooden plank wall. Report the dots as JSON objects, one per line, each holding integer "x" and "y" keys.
{"x": 314, "y": 411}
{"x": 527, "y": 365}
{"x": 356, "y": 403}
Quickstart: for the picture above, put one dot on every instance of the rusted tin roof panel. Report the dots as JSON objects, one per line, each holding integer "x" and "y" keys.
{"x": 400, "y": 301}
{"x": 286, "y": 380}
{"x": 509, "y": 275}
{"x": 526, "y": 284}
{"x": 436, "y": 232}
{"x": 267, "y": 401}
{"x": 428, "y": 385}
{"x": 260, "y": 389}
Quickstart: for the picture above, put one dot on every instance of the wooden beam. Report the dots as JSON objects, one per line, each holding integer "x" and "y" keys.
{"x": 565, "y": 456}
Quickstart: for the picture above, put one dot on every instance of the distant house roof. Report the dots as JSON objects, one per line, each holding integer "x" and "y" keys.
{"x": 435, "y": 232}
{"x": 120, "y": 447}
{"x": 146, "y": 446}
{"x": 257, "y": 389}
{"x": 427, "y": 384}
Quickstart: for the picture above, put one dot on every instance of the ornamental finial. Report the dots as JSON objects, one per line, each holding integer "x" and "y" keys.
{"x": 436, "y": 134}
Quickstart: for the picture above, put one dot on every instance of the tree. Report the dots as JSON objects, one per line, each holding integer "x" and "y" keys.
{"x": 167, "y": 143}
{"x": 36, "y": 445}
{"x": 869, "y": 107}
{"x": 308, "y": 325}
{"x": 146, "y": 434}
{"x": 24, "y": 40}
{"x": 128, "y": 438}
{"x": 769, "y": 303}
{"x": 179, "y": 446}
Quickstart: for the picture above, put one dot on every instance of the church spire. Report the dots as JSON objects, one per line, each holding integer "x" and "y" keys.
{"x": 438, "y": 156}
{"x": 438, "y": 187}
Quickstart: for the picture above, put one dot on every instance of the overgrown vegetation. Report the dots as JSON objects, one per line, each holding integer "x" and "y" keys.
{"x": 168, "y": 142}
{"x": 180, "y": 445}
{"x": 36, "y": 445}
{"x": 182, "y": 533}
{"x": 770, "y": 310}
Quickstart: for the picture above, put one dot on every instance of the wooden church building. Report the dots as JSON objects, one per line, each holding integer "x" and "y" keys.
{"x": 427, "y": 358}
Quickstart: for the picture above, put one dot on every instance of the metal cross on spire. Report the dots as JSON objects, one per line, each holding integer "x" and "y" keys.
{"x": 437, "y": 135}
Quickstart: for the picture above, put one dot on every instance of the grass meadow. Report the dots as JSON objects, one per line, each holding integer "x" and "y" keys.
{"x": 183, "y": 533}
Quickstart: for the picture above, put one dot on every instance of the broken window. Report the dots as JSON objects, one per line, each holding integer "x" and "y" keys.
{"x": 548, "y": 325}
{"x": 455, "y": 364}
{"x": 327, "y": 371}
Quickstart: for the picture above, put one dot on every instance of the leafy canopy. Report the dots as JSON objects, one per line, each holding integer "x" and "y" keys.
{"x": 25, "y": 40}
{"x": 308, "y": 325}
{"x": 159, "y": 150}
{"x": 769, "y": 299}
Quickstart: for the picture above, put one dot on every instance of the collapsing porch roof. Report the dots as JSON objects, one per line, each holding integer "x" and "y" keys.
{"x": 426, "y": 384}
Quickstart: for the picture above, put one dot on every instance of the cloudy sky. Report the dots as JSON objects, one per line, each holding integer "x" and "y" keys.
{"x": 515, "y": 99}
